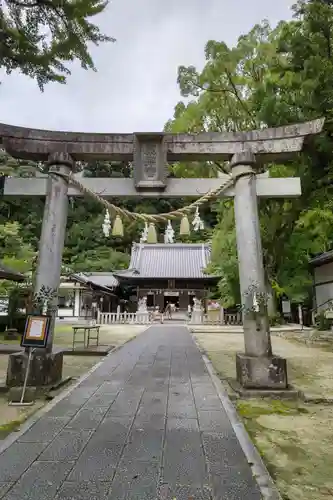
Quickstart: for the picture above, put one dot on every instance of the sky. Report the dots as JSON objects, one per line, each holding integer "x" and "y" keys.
{"x": 135, "y": 88}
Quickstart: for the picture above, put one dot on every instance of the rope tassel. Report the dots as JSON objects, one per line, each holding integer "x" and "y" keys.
{"x": 152, "y": 233}
{"x": 184, "y": 226}
{"x": 118, "y": 228}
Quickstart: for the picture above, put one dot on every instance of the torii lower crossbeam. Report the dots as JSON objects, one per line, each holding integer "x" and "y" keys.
{"x": 175, "y": 188}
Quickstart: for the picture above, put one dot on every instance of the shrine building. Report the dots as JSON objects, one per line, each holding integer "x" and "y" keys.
{"x": 172, "y": 272}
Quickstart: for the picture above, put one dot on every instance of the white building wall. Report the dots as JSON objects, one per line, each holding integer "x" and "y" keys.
{"x": 324, "y": 293}
{"x": 323, "y": 281}
{"x": 71, "y": 312}
{"x": 65, "y": 312}
{"x": 77, "y": 295}
{"x": 323, "y": 274}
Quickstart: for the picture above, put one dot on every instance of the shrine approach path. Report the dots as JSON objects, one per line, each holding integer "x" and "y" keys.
{"x": 146, "y": 424}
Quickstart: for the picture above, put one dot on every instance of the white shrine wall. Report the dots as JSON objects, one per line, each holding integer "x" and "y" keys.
{"x": 323, "y": 285}
{"x": 71, "y": 308}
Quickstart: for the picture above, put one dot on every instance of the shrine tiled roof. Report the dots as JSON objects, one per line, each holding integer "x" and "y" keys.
{"x": 9, "y": 274}
{"x": 99, "y": 279}
{"x": 172, "y": 260}
{"x": 321, "y": 259}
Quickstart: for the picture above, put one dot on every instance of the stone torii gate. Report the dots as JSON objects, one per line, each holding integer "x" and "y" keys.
{"x": 150, "y": 154}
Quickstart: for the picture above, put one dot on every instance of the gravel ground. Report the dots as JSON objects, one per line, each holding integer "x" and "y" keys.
{"x": 295, "y": 439}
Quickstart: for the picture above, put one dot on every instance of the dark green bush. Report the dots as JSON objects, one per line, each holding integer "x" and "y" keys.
{"x": 276, "y": 319}
{"x": 17, "y": 322}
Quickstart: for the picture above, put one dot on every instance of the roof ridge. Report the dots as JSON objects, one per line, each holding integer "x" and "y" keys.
{"x": 172, "y": 245}
{"x": 101, "y": 273}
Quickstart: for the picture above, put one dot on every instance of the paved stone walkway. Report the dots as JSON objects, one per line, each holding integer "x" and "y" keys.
{"x": 147, "y": 424}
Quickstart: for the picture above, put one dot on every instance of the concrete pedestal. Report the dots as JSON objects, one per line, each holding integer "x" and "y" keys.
{"x": 213, "y": 315}
{"x": 15, "y": 394}
{"x": 261, "y": 372}
{"x": 45, "y": 369}
{"x": 142, "y": 317}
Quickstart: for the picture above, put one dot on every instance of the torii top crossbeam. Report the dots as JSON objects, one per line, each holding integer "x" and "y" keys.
{"x": 35, "y": 144}
{"x": 150, "y": 154}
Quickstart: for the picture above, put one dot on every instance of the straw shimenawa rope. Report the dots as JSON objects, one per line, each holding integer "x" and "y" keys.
{"x": 153, "y": 218}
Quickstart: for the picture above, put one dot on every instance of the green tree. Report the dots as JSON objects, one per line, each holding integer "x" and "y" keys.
{"x": 39, "y": 37}
{"x": 14, "y": 253}
{"x": 107, "y": 169}
{"x": 221, "y": 100}
{"x": 271, "y": 77}
{"x": 100, "y": 259}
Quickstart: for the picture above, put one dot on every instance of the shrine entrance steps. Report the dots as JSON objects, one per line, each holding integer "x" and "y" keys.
{"x": 146, "y": 424}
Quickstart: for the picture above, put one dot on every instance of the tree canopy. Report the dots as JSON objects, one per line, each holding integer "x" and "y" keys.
{"x": 40, "y": 37}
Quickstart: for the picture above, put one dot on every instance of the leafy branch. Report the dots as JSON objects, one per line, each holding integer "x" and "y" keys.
{"x": 39, "y": 37}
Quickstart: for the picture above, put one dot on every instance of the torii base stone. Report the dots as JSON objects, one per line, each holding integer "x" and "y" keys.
{"x": 45, "y": 369}
{"x": 261, "y": 372}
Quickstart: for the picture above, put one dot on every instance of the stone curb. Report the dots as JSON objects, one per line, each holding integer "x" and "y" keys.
{"x": 9, "y": 349}
{"x": 266, "y": 484}
{"x": 239, "y": 331}
{"x": 14, "y": 436}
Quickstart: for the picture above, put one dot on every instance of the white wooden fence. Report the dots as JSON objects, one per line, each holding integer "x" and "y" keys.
{"x": 141, "y": 318}
{"x": 232, "y": 319}
{"x": 121, "y": 318}
{"x": 222, "y": 319}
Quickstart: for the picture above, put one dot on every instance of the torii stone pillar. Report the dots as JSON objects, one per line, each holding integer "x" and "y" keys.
{"x": 46, "y": 367}
{"x": 257, "y": 368}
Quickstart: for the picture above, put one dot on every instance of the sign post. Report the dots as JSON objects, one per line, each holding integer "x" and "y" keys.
{"x": 35, "y": 336}
{"x": 22, "y": 402}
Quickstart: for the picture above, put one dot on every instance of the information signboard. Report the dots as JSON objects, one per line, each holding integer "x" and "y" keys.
{"x": 36, "y": 331}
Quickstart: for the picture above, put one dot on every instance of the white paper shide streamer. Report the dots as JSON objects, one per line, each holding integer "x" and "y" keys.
{"x": 197, "y": 223}
{"x": 106, "y": 226}
{"x": 169, "y": 234}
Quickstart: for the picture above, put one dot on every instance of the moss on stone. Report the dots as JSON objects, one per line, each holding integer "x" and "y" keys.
{"x": 9, "y": 427}
{"x": 252, "y": 409}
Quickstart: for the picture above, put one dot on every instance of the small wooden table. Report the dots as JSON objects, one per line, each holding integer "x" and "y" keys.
{"x": 87, "y": 337}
